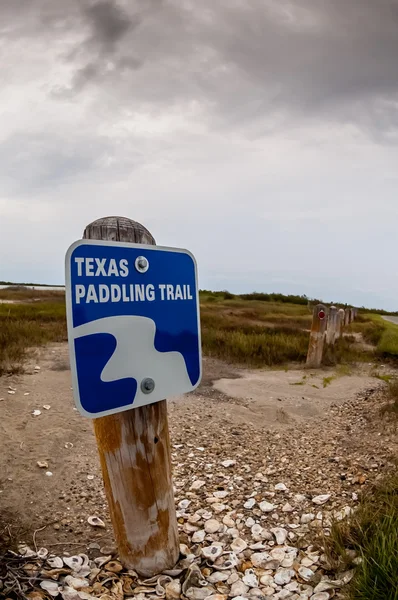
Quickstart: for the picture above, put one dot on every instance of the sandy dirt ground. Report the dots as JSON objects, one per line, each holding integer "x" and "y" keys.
{"x": 285, "y": 419}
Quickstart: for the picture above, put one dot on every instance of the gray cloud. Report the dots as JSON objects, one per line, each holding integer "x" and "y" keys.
{"x": 246, "y": 62}
{"x": 271, "y": 122}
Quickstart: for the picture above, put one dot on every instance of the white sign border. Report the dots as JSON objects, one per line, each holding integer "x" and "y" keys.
{"x": 69, "y": 318}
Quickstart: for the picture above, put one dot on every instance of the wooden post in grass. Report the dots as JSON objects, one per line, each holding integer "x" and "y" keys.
{"x": 340, "y": 322}
{"x": 331, "y": 331}
{"x": 353, "y": 315}
{"x": 134, "y": 449}
{"x": 347, "y": 319}
{"x": 317, "y": 336}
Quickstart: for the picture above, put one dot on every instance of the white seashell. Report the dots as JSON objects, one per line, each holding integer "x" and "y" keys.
{"x": 51, "y": 587}
{"x": 260, "y": 559}
{"x": 283, "y": 576}
{"x": 189, "y": 528}
{"x": 278, "y": 554}
{"x": 76, "y": 582}
{"x": 324, "y": 586}
{"x": 184, "y": 504}
{"x": 305, "y": 573}
{"x": 46, "y": 406}
{"x": 12, "y": 389}
{"x": 321, "y": 499}
{"x": 173, "y": 590}
{"x": 287, "y": 562}
{"x": 212, "y": 525}
{"x": 220, "y": 494}
{"x": 256, "y": 593}
{"x": 250, "y": 578}
{"x": 74, "y": 562}
{"x": 196, "y": 485}
{"x": 102, "y": 560}
{"x": 55, "y": 562}
{"x": 68, "y": 445}
{"x": 233, "y": 578}
{"x": 199, "y": 536}
{"x": 256, "y": 529}
{"x": 249, "y": 503}
{"x": 227, "y": 561}
{"x": 36, "y": 413}
{"x": 212, "y": 552}
{"x": 266, "y": 580}
{"x": 293, "y": 586}
{"x": 238, "y": 545}
{"x": 228, "y": 521}
{"x": 257, "y": 546}
{"x": 25, "y": 551}
{"x": 299, "y": 498}
{"x": 26, "y": 394}
{"x": 266, "y": 506}
{"x": 218, "y": 576}
{"x": 195, "y": 518}
{"x": 11, "y": 392}
{"x": 49, "y": 474}
{"x": 95, "y": 521}
{"x": 42, "y": 553}
{"x": 288, "y": 508}
{"x": 280, "y": 535}
{"x": 250, "y": 522}
{"x": 195, "y": 593}
{"x": 90, "y": 477}
{"x": 281, "y": 487}
{"x": 238, "y": 589}
{"x": 42, "y": 464}
{"x": 69, "y": 593}
{"x": 219, "y": 508}
{"x": 206, "y": 515}
{"x": 228, "y": 463}
{"x": 307, "y": 518}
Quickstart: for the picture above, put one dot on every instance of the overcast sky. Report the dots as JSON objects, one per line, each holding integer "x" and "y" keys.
{"x": 260, "y": 134}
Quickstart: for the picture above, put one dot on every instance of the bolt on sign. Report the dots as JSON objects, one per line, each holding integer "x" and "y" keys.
{"x": 133, "y": 324}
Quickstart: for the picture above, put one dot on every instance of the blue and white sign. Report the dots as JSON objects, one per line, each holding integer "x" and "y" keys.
{"x": 133, "y": 324}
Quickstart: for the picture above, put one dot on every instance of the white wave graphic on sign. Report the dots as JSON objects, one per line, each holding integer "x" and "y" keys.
{"x": 136, "y": 356}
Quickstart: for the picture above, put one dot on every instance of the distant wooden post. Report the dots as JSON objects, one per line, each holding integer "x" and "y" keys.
{"x": 353, "y": 315}
{"x": 347, "y": 319}
{"x": 331, "y": 331}
{"x": 317, "y": 336}
{"x": 340, "y": 322}
{"x": 134, "y": 449}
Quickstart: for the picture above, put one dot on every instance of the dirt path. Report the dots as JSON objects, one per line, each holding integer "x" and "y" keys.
{"x": 276, "y": 427}
{"x": 391, "y": 319}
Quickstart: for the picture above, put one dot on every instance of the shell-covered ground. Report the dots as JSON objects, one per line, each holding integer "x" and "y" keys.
{"x": 260, "y": 472}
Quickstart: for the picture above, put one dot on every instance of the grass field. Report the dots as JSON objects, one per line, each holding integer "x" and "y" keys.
{"x": 371, "y": 533}
{"x": 28, "y": 323}
{"x": 253, "y": 329}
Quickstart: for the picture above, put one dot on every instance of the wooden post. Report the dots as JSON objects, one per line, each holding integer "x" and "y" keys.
{"x": 331, "y": 332}
{"x": 340, "y": 322}
{"x": 353, "y": 315}
{"x": 134, "y": 449}
{"x": 317, "y": 336}
{"x": 347, "y": 319}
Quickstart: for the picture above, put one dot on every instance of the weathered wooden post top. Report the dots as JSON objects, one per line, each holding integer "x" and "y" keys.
{"x": 131, "y": 346}
{"x": 331, "y": 332}
{"x": 317, "y": 336}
